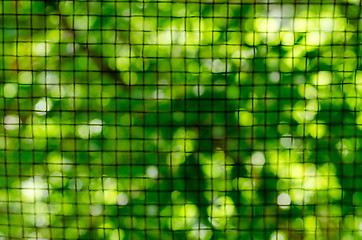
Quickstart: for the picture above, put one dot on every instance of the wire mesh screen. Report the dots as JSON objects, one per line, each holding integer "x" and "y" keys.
{"x": 220, "y": 119}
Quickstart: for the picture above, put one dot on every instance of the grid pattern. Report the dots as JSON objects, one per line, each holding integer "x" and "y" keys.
{"x": 214, "y": 119}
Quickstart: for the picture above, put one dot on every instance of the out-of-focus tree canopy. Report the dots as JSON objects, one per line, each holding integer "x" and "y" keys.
{"x": 180, "y": 120}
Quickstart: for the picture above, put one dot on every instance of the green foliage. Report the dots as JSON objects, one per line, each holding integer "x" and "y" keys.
{"x": 186, "y": 120}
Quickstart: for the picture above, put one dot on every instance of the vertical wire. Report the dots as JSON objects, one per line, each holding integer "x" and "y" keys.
{"x": 265, "y": 201}
{"x": 199, "y": 178}
{"x": 130, "y": 120}
{"x": 23, "y": 225}
{"x": 213, "y": 202}
{"x": 329, "y": 149}
{"x": 145, "y": 179}
{"x": 307, "y": 74}
{"x": 171, "y": 119}
{"x": 62, "y": 132}
{"x": 252, "y": 127}
{"x": 187, "y": 179}
{"x": 355, "y": 165}
{"x": 3, "y": 81}
{"x": 291, "y": 161}
{"x": 343, "y": 112}
{"x": 116, "y": 159}
{"x": 158, "y": 119}
{"x": 225, "y": 149}
{"x": 46, "y": 118}
{"x": 238, "y": 133}
{"x": 102, "y": 166}
{"x": 74, "y": 114}
{"x": 89, "y": 163}
{"x": 6, "y": 170}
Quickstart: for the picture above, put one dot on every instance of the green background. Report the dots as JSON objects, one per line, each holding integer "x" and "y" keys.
{"x": 180, "y": 120}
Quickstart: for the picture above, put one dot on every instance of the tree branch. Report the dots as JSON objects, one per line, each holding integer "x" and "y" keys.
{"x": 99, "y": 60}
